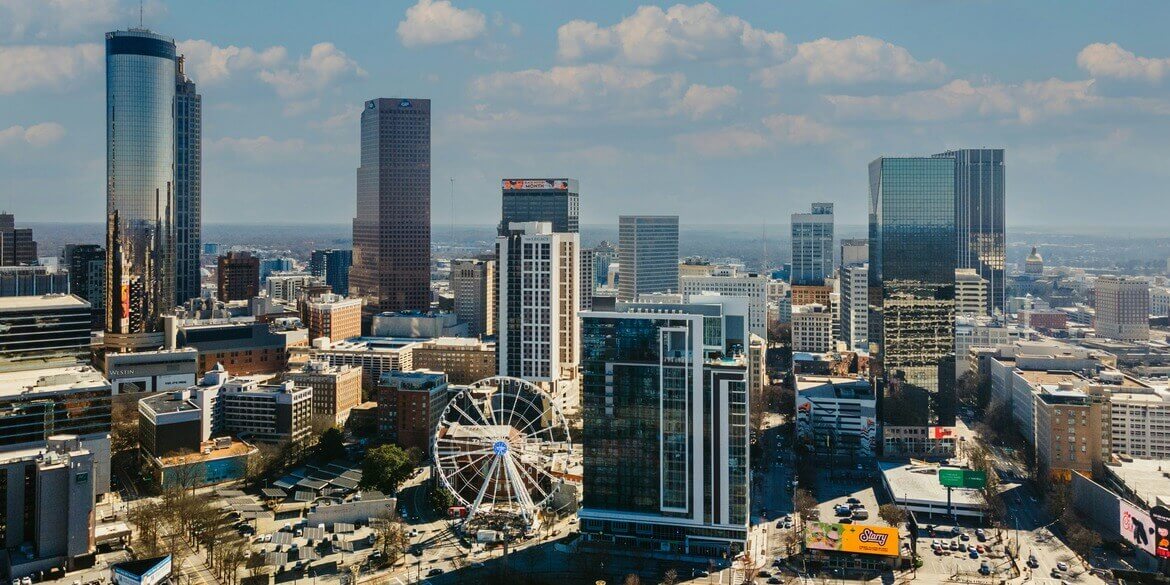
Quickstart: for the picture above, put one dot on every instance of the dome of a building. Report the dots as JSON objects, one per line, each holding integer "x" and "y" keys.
{"x": 1035, "y": 263}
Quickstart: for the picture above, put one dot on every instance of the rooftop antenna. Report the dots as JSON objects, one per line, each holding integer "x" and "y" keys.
{"x": 452, "y": 213}
{"x": 140, "y": 13}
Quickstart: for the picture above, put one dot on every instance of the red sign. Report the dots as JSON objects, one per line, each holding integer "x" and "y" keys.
{"x": 941, "y": 432}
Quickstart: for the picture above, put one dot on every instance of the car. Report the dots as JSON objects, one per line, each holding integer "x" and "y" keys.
{"x": 845, "y": 521}
{"x": 842, "y": 511}
{"x": 1032, "y": 562}
{"x": 788, "y": 525}
{"x": 435, "y": 571}
{"x": 774, "y": 580}
{"x": 699, "y": 573}
{"x": 980, "y": 534}
{"x": 1063, "y": 566}
{"x": 973, "y": 553}
{"x": 984, "y": 568}
{"x": 962, "y": 547}
{"x": 979, "y": 547}
{"x": 763, "y": 574}
{"x": 413, "y": 533}
{"x": 964, "y": 537}
{"x": 1055, "y": 573}
{"x": 777, "y": 563}
{"x": 26, "y": 581}
{"x": 476, "y": 565}
{"x": 853, "y": 501}
{"x": 860, "y": 514}
{"x": 954, "y": 545}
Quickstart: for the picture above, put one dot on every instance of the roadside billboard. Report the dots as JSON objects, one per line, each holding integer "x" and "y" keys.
{"x": 962, "y": 478}
{"x": 1137, "y": 527}
{"x": 852, "y": 538}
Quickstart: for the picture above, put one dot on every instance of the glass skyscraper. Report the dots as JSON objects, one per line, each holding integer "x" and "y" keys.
{"x": 648, "y": 255}
{"x": 912, "y": 290}
{"x": 140, "y": 188}
{"x": 979, "y": 217}
{"x": 556, "y": 201}
{"x": 665, "y": 434}
{"x": 392, "y": 229}
{"x": 812, "y": 245}
{"x": 332, "y": 266}
{"x": 188, "y": 186}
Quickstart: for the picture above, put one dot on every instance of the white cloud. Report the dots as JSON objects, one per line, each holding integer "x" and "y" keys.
{"x": 36, "y": 136}
{"x": 345, "y": 120}
{"x": 959, "y": 99}
{"x": 437, "y": 22}
{"x": 581, "y": 87}
{"x": 260, "y": 148}
{"x": 70, "y": 20}
{"x": 652, "y": 36}
{"x": 854, "y": 60}
{"x": 35, "y": 67}
{"x": 209, "y": 64}
{"x": 1110, "y": 60}
{"x": 796, "y": 129}
{"x": 732, "y": 141}
{"x": 324, "y": 66}
{"x": 700, "y": 100}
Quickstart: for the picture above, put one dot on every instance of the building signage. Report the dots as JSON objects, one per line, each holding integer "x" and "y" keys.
{"x": 852, "y": 538}
{"x": 940, "y": 433}
{"x": 962, "y": 478}
{"x": 1137, "y": 527}
{"x": 1161, "y": 517}
{"x": 536, "y": 185}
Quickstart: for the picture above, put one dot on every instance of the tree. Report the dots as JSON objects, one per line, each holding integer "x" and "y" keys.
{"x": 891, "y": 514}
{"x": 440, "y": 499}
{"x": 390, "y": 537}
{"x": 670, "y": 577}
{"x": 331, "y": 445}
{"x": 416, "y": 456}
{"x": 805, "y": 504}
{"x": 632, "y": 579}
{"x": 385, "y": 468}
{"x": 123, "y": 423}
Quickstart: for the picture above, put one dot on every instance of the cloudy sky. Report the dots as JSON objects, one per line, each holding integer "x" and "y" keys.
{"x": 728, "y": 112}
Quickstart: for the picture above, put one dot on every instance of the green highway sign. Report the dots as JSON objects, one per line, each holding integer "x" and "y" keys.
{"x": 962, "y": 478}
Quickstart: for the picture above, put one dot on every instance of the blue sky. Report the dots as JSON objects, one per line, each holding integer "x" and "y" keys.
{"x": 728, "y": 112}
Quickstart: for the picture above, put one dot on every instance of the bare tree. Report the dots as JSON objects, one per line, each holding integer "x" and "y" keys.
{"x": 390, "y": 537}
{"x": 805, "y": 504}
{"x": 892, "y": 514}
{"x": 670, "y": 577}
{"x": 632, "y": 579}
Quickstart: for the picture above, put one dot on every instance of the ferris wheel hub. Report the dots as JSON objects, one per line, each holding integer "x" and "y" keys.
{"x": 499, "y": 448}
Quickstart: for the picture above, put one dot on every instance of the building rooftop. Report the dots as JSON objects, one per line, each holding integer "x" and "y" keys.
{"x": 1148, "y": 478}
{"x": 374, "y": 344}
{"x": 168, "y": 402}
{"x": 459, "y": 342}
{"x": 79, "y": 377}
{"x": 919, "y": 483}
{"x": 42, "y": 303}
{"x": 834, "y": 387}
{"x": 1050, "y": 378}
{"x": 209, "y": 453}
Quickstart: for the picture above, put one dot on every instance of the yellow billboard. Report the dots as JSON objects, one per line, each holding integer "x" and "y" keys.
{"x": 853, "y": 538}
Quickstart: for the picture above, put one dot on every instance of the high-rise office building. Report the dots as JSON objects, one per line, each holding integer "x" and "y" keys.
{"x": 556, "y": 201}
{"x": 666, "y": 412}
{"x": 648, "y": 255}
{"x": 912, "y": 296}
{"x": 392, "y": 229}
{"x": 854, "y": 251}
{"x": 812, "y": 245}
{"x": 188, "y": 185}
{"x": 970, "y": 293}
{"x": 855, "y": 306}
{"x": 750, "y": 286}
{"x": 268, "y": 266}
{"x": 140, "y": 187}
{"x": 1123, "y": 308}
{"x": 238, "y": 276}
{"x": 335, "y": 317}
{"x": 539, "y": 339}
{"x": 87, "y": 266}
{"x": 474, "y": 284}
{"x": 979, "y": 217}
{"x": 332, "y": 266}
{"x": 17, "y": 247}
{"x": 43, "y": 331}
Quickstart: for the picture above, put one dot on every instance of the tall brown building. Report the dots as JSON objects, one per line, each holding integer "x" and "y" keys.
{"x": 238, "y": 276}
{"x": 392, "y": 229}
{"x": 17, "y": 247}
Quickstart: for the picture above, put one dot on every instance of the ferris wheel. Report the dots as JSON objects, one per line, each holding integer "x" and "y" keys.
{"x": 495, "y": 447}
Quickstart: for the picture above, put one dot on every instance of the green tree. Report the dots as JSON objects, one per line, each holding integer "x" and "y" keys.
{"x": 440, "y": 499}
{"x": 385, "y": 468}
{"x": 331, "y": 445}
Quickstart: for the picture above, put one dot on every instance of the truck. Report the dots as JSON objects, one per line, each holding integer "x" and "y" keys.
{"x": 488, "y": 536}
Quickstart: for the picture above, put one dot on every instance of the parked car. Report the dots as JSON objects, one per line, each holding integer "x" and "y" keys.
{"x": 1063, "y": 566}
{"x": 973, "y": 553}
{"x": 1032, "y": 562}
{"x": 435, "y": 571}
{"x": 853, "y": 501}
{"x": 984, "y": 568}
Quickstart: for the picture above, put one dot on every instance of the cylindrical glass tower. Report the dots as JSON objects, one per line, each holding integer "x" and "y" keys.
{"x": 140, "y": 173}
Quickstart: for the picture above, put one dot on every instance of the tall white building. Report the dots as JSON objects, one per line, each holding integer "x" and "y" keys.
{"x": 812, "y": 328}
{"x": 287, "y": 286}
{"x": 750, "y": 286}
{"x": 812, "y": 245}
{"x": 1160, "y": 301}
{"x": 1123, "y": 308}
{"x": 970, "y": 293}
{"x": 1140, "y": 421}
{"x": 855, "y": 306}
{"x": 648, "y": 255}
{"x": 973, "y": 332}
{"x": 854, "y": 251}
{"x": 539, "y": 337}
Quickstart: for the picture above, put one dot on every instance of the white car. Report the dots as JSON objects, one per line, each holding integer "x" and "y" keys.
{"x": 1063, "y": 566}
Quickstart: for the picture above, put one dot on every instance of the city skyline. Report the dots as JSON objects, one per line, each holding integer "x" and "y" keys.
{"x": 283, "y": 107}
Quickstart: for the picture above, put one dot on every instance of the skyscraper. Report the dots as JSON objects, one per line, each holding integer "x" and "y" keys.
{"x": 238, "y": 276}
{"x": 87, "y": 266}
{"x": 332, "y": 266}
{"x": 812, "y": 245}
{"x": 539, "y": 339}
{"x": 553, "y": 200}
{"x": 666, "y": 408}
{"x": 17, "y": 247}
{"x": 140, "y": 187}
{"x": 855, "y": 306}
{"x": 979, "y": 217}
{"x": 188, "y": 185}
{"x": 647, "y": 255}
{"x": 392, "y": 229}
{"x": 912, "y": 297}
